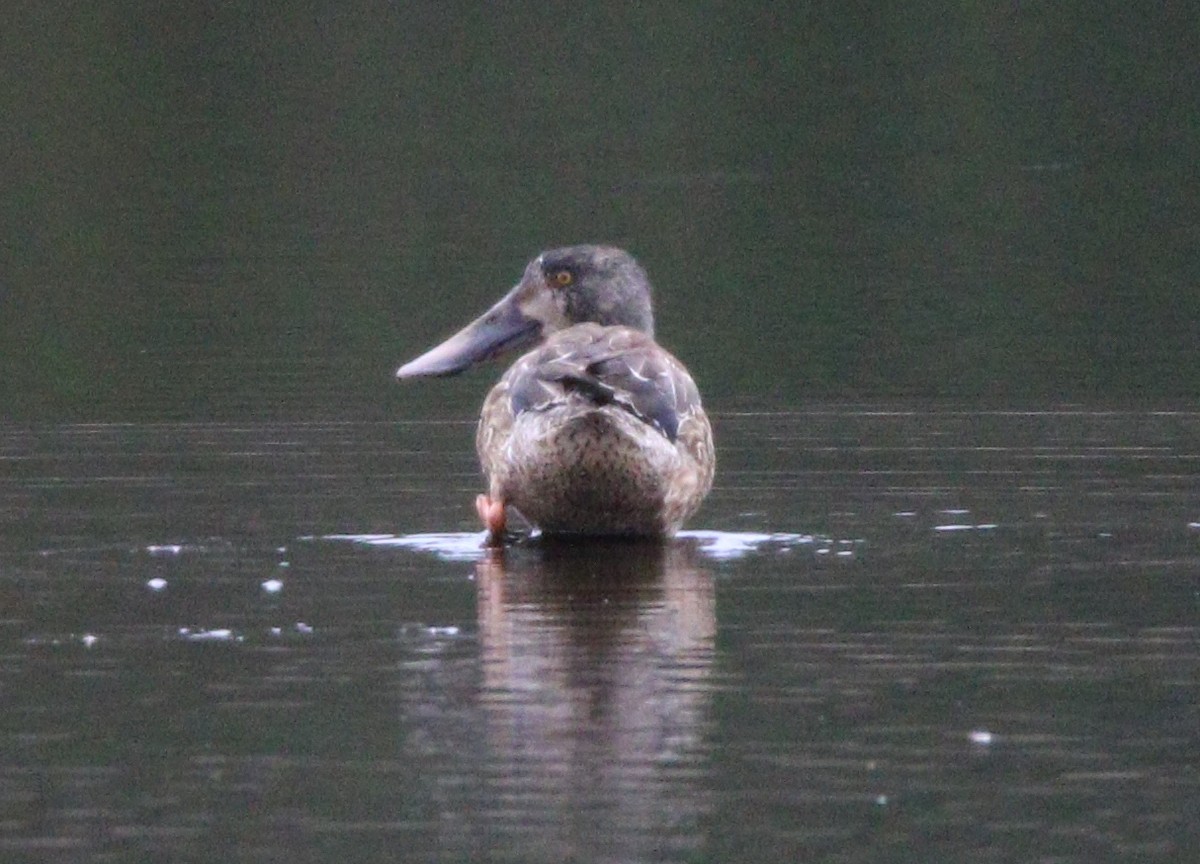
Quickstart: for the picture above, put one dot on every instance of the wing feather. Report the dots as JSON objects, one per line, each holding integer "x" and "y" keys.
{"x": 605, "y": 366}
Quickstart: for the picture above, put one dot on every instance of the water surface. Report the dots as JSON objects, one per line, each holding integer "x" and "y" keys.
{"x": 940, "y": 633}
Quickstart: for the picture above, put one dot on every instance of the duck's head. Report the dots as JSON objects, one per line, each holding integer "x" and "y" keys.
{"x": 560, "y": 288}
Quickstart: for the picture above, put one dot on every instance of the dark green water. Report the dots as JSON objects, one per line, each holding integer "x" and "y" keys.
{"x": 933, "y": 635}
{"x": 224, "y": 209}
{"x": 933, "y": 269}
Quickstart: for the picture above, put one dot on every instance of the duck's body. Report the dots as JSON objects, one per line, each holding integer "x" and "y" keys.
{"x": 598, "y": 430}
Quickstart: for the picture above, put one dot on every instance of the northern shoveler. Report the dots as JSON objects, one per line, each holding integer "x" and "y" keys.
{"x": 598, "y": 429}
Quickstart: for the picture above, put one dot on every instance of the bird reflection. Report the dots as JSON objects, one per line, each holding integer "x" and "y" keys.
{"x": 596, "y": 663}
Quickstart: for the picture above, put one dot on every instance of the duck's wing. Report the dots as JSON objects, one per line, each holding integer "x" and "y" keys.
{"x": 601, "y": 366}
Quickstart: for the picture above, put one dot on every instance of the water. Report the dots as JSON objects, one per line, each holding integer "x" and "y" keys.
{"x": 923, "y": 634}
{"x": 237, "y": 212}
{"x": 243, "y": 611}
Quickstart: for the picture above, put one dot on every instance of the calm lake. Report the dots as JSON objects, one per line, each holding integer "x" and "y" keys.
{"x": 933, "y": 267}
{"x": 927, "y": 634}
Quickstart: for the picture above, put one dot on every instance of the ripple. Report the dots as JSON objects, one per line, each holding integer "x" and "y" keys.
{"x": 449, "y": 546}
{"x": 220, "y": 634}
{"x": 727, "y": 545}
{"x": 715, "y": 545}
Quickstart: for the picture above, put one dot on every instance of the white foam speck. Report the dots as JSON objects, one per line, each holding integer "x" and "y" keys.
{"x": 217, "y": 635}
{"x": 165, "y": 549}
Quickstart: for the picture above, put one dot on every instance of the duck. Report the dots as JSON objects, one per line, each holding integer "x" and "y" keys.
{"x": 595, "y": 429}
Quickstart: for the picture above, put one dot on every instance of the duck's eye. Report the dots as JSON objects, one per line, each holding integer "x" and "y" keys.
{"x": 563, "y": 278}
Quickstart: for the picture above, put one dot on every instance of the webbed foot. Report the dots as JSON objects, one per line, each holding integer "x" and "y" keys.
{"x": 492, "y": 514}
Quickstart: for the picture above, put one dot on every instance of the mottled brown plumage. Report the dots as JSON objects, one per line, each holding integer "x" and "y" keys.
{"x": 598, "y": 429}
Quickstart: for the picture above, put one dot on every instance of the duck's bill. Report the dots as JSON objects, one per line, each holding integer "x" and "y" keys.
{"x": 502, "y": 328}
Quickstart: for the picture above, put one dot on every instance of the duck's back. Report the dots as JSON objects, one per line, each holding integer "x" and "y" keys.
{"x": 599, "y": 431}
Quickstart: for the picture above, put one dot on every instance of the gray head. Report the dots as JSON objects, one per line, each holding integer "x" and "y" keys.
{"x": 560, "y": 288}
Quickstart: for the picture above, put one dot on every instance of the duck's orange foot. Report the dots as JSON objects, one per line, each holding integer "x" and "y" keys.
{"x": 491, "y": 513}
